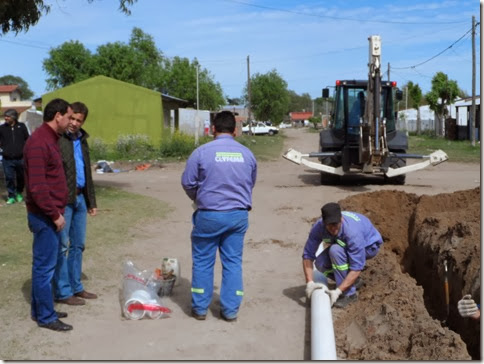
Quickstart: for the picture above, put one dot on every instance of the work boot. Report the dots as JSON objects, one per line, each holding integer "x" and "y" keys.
{"x": 199, "y": 317}
{"x": 86, "y": 295}
{"x": 73, "y": 301}
{"x": 344, "y": 301}
{"x": 231, "y": 319}
{"x": 19, "y": 197}
{"x": 11, "y": 201}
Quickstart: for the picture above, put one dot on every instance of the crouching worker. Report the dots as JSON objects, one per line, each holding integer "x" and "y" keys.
{"x": 349, "y": 239}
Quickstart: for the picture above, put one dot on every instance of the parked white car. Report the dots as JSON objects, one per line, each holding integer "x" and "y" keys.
{"x": 260, "y": 128}
{"x": 285, "y": 125}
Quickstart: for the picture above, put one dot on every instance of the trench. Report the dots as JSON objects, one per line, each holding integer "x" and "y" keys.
{"x": 426, "y": 263}
{"x": 422, "y": 233}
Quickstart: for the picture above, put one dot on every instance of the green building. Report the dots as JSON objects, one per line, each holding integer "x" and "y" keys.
{"x": 115, "y": 108}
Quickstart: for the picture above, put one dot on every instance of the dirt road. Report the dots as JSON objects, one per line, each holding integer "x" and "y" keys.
{"x": 274, "y": 320}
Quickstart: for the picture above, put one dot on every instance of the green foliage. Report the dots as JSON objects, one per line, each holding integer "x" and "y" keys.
{"x": 139, "y": 62}
{"x": 134, "y": 147}
{"x": 299, "y": 102}
{"x": 457, "y": 150}
{"x": 178, "y": 145}
{"x": 443, "y": 93}
{"x": 69, "y": 63}
{"x": 315, "y": 121}
{"x": 25, "y": 92}
{"x": 264, "y": 147}
{"x": 19, "y": 15}
{"x": 98, "y": 150}
{"x": 269, "y": 96}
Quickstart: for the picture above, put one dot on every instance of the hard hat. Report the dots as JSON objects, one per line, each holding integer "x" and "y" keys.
{"x": 12, "y": 113}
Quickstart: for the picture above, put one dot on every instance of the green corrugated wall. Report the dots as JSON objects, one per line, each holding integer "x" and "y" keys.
{"x": 115, "y": 108}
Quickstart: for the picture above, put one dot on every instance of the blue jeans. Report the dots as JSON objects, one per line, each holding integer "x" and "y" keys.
{"x": 14, "y": 176}
{"x": 44, "y": 258}
{"x": 223, "y": 231}
{"x": 69, "y": 262}
{"x": 333, "y": 262}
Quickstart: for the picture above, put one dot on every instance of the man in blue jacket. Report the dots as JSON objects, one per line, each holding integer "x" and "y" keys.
{"x": 349, "y": 239}
{"x": 219, "y": 177}
{"x": 13, "y": 136}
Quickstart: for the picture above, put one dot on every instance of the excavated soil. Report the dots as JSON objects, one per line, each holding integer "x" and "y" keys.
{"x": 401, "y": 312}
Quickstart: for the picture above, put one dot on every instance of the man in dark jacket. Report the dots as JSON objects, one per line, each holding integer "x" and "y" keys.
{"x": 81, "y": 201}
{"x": 13, "y": 136}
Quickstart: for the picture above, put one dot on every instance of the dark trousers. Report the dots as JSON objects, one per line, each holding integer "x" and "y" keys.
{"x": 14, "y": 176}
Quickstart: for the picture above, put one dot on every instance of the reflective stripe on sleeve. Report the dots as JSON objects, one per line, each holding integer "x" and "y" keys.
{"x": 198, "y": 290}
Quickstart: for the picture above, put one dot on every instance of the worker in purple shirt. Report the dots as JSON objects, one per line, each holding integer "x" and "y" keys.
{"x": 349, "y": 239}
{"x": 219, "y": 177}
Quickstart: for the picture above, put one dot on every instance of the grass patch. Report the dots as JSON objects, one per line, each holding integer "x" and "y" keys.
{"x": 264, "y": 147}
{"x": 118, "y": 212}
{"x": 457, "y": 150}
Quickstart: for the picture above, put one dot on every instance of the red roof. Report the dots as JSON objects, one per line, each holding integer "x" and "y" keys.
{"x": 8, "y": 88}
{"x": 301, "y": 115}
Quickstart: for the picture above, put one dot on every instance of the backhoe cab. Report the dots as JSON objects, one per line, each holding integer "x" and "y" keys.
{"x": 362, "y": 137}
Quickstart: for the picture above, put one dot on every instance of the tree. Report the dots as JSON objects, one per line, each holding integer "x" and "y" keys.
{"x": 19, "y": 15}
{"x": 415, "y": 94}
{"x": 299, "y": 102}
{"x": 69, "y": 63}
{"x": 181, "y": 81}
{"x": 269, "y": 96}
{"x": 25, "y": 92}
{"x": 442, "y": 94}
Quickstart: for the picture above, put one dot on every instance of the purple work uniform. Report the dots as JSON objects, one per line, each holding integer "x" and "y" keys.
{"x": 356, "y": 241}
{"x": 219, "y": 176}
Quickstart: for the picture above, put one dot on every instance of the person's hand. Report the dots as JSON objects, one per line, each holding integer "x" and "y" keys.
{"x": 467, "y": 306}
{"x": 311, "y": 286}
{"x": 334, "y": 295}
{"x": 60, "y": 222}
{"x": 92, "y": 212}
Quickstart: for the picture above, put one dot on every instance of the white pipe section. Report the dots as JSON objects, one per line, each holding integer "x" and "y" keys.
{"x": 323, "y": 345}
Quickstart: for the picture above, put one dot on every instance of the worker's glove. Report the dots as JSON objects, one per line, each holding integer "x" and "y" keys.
{"x": 334, "y": 295}
{"x": 467, "y": 307}
{"x": 311, "y": 286}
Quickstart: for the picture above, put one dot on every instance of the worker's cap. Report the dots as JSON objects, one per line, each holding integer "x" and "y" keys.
{"x": 331, "y": 213}
{"x": 12, "y": 113}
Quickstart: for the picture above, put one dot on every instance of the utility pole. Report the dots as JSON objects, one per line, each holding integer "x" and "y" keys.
{"x": 248, "y": 96}
{"x": 473, "y": 107}
{"x": 197, "y": 118}
{"x": 406, "y": 103}
{"x": 388, "y": 71}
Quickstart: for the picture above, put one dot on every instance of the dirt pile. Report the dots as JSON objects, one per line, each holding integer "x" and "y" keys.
{"x": 401, "y": 313}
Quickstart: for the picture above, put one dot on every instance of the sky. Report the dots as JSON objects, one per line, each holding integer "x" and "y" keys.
{"x": 310, "y": 44}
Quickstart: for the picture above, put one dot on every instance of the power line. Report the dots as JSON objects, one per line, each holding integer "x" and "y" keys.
{"x": 438, "y": 54}
{"x": 336, "y": 17}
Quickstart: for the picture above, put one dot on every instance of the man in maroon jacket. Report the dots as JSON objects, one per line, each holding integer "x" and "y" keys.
{"x": 45, "y": 201}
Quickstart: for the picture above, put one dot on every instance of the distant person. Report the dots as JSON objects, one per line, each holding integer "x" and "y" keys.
{"x": 219, "y": 177}
{"x": 46, "y": 200}
{"x": 13, "y": 136}
{"x": 357, "y": 110}
{"x": 82, "y": 201}
{"x": 469, "y": 308}
{"x": 349, "y": 239}
{"x": 206, "y": 127}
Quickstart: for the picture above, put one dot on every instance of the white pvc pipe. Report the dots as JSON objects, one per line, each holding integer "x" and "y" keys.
{"x": 323, "y": 346}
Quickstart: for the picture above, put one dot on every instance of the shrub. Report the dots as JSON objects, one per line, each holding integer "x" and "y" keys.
{"x": 134, "y": 147}
{"x": 98, "y": 149}
{"x": 177, "y": 145}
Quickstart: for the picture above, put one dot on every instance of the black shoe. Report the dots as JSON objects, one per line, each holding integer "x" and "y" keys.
{"x": 196, "y": 316}
{"x": 344, "y": 301}
{"x": 58, "y": 313}
{"x": 359, "y": 283}
{"x": 56, "y": 325}
{"x": 232, "y": 319}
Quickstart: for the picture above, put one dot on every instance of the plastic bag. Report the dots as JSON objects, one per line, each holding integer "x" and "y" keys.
{"x": 140, "y": 293}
